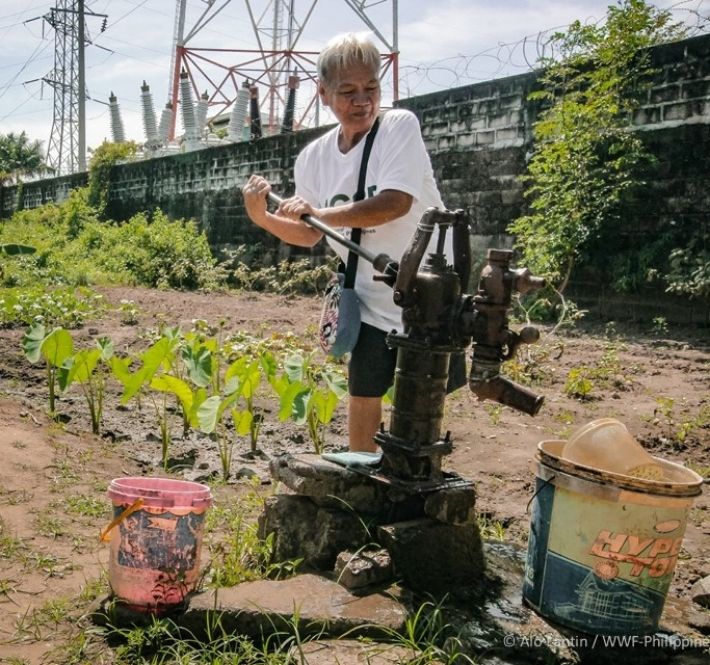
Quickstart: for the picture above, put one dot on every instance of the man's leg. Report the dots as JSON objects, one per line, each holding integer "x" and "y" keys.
{"x": 371, "y": 371}
{"x": 364, "y": 418}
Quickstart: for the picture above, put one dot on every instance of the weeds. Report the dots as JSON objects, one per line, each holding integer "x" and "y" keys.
{"x": 85, "y": 505}
{"x": 67, "y": 307}
{"x": 582, "y": 382}
{"x": 680, "y": 426}
{"x": 241, "y": 555}
{"x": 163, "y": 642}
{"x": 429, "y": 638}
{"x": 288, "y": 277}
{"x": 489, "y": 528}
{"x": 49, "y": 526}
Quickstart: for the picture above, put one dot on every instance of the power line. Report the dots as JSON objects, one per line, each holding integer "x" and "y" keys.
{"x": 20, "y": 105}
{"x": 128, "y": 13}
{"x": 38, "y": 49}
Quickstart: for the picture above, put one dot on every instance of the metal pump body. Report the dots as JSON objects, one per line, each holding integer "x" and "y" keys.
{"x": 438, "y": 320}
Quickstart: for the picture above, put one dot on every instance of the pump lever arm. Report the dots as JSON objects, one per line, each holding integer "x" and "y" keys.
{"x": 381, "y": 262}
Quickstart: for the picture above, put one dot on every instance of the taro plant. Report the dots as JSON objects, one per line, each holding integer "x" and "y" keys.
{"x": 240, "y": 383}
{"x": 245, "y": 376}
{"x": 211, "y": 420}
{"x": 54, "y": 347}
{"x": 139, "y": 381}
{"x": 309, "y": 393}
{"x": 89, "y": 368}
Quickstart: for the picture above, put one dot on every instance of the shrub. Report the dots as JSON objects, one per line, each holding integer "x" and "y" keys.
{"x": 75, "y": 248}
{"x": 154, "y": 251}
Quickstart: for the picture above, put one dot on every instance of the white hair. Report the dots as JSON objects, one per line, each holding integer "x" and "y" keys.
{"x": 345, "y": 50}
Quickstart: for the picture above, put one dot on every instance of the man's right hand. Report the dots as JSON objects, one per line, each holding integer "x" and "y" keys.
{"x": 255, "y": 192}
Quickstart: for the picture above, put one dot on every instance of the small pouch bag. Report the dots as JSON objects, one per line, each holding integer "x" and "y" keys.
{"x": 339, "y": 326}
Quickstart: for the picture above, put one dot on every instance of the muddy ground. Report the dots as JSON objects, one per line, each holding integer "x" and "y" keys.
{"x": 53, "y": 476}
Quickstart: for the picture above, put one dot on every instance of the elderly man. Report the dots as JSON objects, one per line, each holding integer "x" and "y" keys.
{"x": 400, "y": 186}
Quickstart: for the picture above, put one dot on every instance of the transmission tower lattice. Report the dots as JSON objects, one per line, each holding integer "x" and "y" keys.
{"x": 64, "y": 153}
{"x": 277, "y": 27}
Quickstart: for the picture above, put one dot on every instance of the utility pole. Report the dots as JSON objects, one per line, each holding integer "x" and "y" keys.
{"x": 81, "y": 161}
{"x": 66, "y": 152}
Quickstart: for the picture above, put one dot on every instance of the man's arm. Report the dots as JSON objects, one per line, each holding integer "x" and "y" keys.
{"x": 387, "y": 205}
{"x": 288, "y": 229}
{"x": 384, "y": 207}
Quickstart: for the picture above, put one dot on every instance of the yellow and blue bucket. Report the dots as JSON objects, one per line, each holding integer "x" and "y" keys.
{"x": 602, "y": 546}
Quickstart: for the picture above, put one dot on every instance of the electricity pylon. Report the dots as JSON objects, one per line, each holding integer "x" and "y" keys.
{"x": 66, "y": 151}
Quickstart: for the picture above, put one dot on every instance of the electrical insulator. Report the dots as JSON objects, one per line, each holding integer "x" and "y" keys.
{"x": 188, "y": 110}
{"x": 165, "y": 119}
{"x": 149, "y": 122}
{"x": 254, "y": 112}
{"x": 287, "y": 124}
{"x": 201, "y": 113}
{"x": 117, "y": 132}
{"x": 239, "y": 113}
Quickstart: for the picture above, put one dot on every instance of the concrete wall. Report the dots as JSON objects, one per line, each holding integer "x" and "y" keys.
{"x": 479, "y": 137}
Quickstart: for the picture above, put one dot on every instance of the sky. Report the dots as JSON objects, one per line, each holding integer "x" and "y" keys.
{"x": 442, "y": 44}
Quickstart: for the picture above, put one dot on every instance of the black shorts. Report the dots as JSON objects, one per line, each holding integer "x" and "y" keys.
{"x": 372, "y": 365}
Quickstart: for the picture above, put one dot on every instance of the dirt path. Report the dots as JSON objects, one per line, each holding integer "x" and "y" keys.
{"x": 54, "y": 476}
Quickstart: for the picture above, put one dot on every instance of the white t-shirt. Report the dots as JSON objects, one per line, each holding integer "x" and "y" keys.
{"x": 325, "y": 177}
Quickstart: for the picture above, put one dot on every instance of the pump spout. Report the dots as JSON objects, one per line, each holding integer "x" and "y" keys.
{"x": 506, "y": 392}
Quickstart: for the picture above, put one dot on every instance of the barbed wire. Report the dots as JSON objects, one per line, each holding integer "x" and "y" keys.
{"x": 522, "y": 55}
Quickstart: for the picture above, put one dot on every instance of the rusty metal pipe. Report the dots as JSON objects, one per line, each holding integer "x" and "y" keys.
{"x": 506, "y": 392}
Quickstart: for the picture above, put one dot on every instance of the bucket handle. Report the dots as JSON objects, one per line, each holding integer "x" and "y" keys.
{"x": 545, "y": 483}
{"x": 135, "y": 506}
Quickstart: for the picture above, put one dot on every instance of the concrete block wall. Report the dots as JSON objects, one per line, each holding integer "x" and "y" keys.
{"x": 205, "y": 185}
{"x": 37, "y": 193}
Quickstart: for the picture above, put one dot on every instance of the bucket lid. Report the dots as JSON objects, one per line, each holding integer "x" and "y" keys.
{"x": 677, "y": 479}
{"x": 160, "y": 492}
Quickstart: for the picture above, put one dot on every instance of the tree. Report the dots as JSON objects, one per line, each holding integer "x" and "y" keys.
{"x": 586, "y": 158}
{"x": 19, "y": 156}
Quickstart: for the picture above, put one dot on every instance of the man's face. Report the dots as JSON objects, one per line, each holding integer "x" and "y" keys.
{"x": 354, "y": 98}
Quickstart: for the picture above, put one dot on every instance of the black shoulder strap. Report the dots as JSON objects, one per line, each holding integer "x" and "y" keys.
{"x": 355, "y": 234}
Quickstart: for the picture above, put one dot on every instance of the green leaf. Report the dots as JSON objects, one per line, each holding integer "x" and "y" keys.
{"x": 336, "y": 383}
{"x": 210, "y": 412}
{"x": 198, "y": 399}
{"x": 105, "y": 345}
{"x": 63, "y": 374}
{"x": 83, "y": 365}
{"x": 268, "y": 364}
{"x": 175, "y": 386}
{"x": 325, "y": 405}
{"x": 32, "y": 342}
{"x": 121, "y": 369}
{"x": 287, "y": 392}
{"x": 250, "y": 380}
{"x": 242, "y": 421}
{"x": 199, "y": 365}
{"x": 207, "y": 414}
{"x": 299, "y": 411}
{"x": 294, "y": 367}
{"x": 57, "y": 347}
{"x": 152, "y": 360}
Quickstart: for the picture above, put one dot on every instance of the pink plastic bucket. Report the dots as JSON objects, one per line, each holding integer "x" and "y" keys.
{"x": 155, "y": 550}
